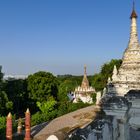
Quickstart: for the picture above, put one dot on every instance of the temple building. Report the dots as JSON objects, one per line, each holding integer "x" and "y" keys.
{"x": 127, "y": 77}
{"x": 84, "y": 92}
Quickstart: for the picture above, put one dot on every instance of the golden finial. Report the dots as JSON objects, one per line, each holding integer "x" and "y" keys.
{"x": 9, "y": 115}
{"x": 85, "y": 69}
{"x": 133, "y": 14}
{"x": 27, "y": 111}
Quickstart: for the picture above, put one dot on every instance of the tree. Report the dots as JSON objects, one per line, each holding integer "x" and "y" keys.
{"x": 94, "y": 98}
{"x": 1, "y": 74}
{"x": 5, "y": 104}
{"x": 47, "y": 106}
{"x": 99, "y": 82}
{"x": 100, "y": 79}
{"x": 107, "y": 68}
{"x": 16, "y": 90}
{"x": 1, "y": 78}
{"x": 69, "y": 107}
{"x": 42, "y": 85}
{"x": 64, "y": 88}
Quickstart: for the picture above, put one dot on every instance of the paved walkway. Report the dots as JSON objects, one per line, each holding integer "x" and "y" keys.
{"x": 68, "y": 122}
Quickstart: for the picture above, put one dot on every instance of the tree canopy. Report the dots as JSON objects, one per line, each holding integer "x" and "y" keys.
{"x": 100, "y": 79}
{"x": 107, "y": 68}
{"x": 42, "y": 85}
{"x": 1, "y": 78}
{"x": 5, "y": 104}
{"x": 16, "y": 90}
{"x": 64, "y": 88}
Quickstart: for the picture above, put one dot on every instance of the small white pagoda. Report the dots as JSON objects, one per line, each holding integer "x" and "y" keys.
{"x": 84, "y": 91}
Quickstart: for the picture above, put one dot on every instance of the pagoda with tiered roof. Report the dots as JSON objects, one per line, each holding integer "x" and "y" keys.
{"x": 127, "y": 77}
{"x": 84, "y": 92}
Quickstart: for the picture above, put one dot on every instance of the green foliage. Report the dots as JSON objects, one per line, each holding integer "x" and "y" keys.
{"x": 38, "y": 118}
{"x": 64, "y": 88}
{"x": 100, "y": 80}
{"x": 107, "y": 68}
{"x": 9, "y": 105}
{"x": 42, "y": 85}
{"x": 2, "y": 126}
{"x": 19, "y": 137}
{"x": 63, "y": 108}
{"x": 17, "y": 93}
{"x": 5, "y": 105}
{"x": 48, "y": 111}
{"x": 67, "y": 107}
{"x": 94, "y": 98}
{"x": 2, "y": 122}
{"x": 78, "y": 105}
{"x": 1, "y": 75}
{"x": 47, "y": 106}
{"x": 4, "y": 101}
{"x": 62, "y": 78}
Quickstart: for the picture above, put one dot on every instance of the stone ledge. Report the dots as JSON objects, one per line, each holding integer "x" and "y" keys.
{"x": 61, "y": 127}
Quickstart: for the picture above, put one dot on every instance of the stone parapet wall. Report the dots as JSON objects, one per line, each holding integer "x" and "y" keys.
{"x": 63, "y": 126}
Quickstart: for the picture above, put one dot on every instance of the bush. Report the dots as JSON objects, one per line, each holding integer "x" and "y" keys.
{"x": 79, "y": 105}
{"x": 62, "y": 108}
{"x": 67, "y": 107}
{"x": 38, "y": 118}
{"x": 19, "y": 137}
{"x": 94, "y": 98}
{"x": 47, "y": 106}
{"x": 2, "y": 127}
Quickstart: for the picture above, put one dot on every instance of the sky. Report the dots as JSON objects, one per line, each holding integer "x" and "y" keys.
{"x": 61, "y": 36}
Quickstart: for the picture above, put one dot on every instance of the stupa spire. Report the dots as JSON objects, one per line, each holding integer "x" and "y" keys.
{"x": 85, "y": 82}
{"x": 127, "y": 77}
{"x": 85, "y": 70}
{"x": 133, "y": 33}
{"x": 133, "y": 14}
